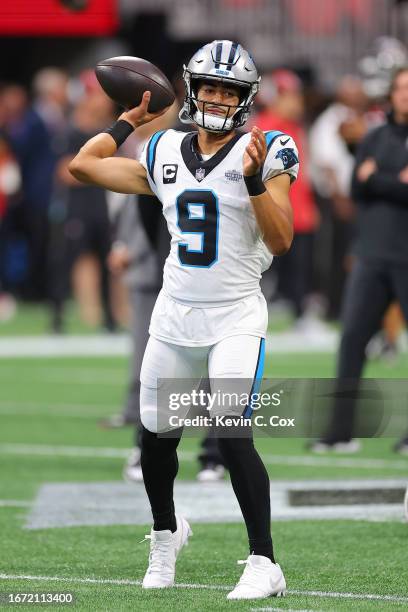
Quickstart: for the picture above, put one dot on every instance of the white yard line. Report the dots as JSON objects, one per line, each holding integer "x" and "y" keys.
{"x": 58, "y": 410}
{"x": 285, "y": 609}
{"x": 62, "y": 451}
{"x": 69, "y": 346}
{"x": 214, "y": 587}
{"x": 120, "y": 345}
{"x": 65, "y": 376}
{"x": 75, "y": 414}
{"x": 15, "y": 503}
{"x": 297, "y": 460}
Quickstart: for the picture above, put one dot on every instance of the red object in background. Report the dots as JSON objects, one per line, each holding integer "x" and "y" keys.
{"x": 3, "y": 205}
{"x": 326, "y": 16}
{"x": 50, "y": 17}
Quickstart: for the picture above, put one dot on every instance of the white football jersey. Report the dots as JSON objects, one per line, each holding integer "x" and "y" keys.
{"x": 217, "y": 255}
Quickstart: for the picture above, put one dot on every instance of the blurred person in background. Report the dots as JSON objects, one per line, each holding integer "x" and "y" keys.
{"x": 87, "y": 235}
{"x": 30, "y": 142}
{"x": 334, "y": 137}
{"x": 383, "y": 57}
{"x": 379, "y": 273}
{"x": 10, "y": 182}
{"x": 51, "y": 102}
{"x": 282, "y": 97}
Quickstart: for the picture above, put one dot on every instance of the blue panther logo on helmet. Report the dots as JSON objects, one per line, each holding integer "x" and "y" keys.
{"x": 288, "y": 157}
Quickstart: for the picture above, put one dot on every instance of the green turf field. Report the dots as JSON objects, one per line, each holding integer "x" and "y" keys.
{"x": 49, "y": 411}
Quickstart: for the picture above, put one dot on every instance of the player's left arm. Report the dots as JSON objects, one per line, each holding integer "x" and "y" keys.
{"x": 270, "y": 200}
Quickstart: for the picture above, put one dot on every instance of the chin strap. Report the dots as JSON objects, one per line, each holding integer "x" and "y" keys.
{"x": 209, "y": 122}
{"x": 212, "y": 122}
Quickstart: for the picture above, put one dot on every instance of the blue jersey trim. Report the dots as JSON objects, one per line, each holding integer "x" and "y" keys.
{"x": 151, "y": 152}
{"x": 271, "y": 137}
{"x": 256, "y": 385}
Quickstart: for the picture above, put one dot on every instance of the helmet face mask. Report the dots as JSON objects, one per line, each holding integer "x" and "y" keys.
{"x": 221, "y": 62}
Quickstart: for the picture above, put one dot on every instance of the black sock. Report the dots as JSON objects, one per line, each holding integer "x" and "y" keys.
{"x": 250, "y": 482}
{"x": 160, "y": 466}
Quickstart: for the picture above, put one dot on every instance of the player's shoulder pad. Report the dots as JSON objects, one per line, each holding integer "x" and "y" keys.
{"x": 282, "y": 149}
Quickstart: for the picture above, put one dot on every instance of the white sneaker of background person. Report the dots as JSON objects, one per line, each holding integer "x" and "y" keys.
{"x": 132, "y": 471}
{"x": 261, "y": 578}
{"x": 211, "y": 472}
{"x": 164, "y": 549}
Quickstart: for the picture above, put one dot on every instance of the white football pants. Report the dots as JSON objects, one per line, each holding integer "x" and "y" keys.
{"x": 233, "y": 365}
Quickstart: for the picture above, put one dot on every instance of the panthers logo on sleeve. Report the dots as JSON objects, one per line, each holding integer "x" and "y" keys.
{"x": 288, "y": 157}
{"x": 282, "y": 156}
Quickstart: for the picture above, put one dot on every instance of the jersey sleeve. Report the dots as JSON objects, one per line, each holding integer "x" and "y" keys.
{"x": 148, "y": 159}
{"x": 282, "y": 156}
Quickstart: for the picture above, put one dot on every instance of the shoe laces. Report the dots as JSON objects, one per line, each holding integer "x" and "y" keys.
{"x": 250, "y": 574}
{"x": 159, "y": 553}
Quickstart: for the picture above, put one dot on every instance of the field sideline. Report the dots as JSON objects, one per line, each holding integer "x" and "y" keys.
{"x": 49, "y": 408}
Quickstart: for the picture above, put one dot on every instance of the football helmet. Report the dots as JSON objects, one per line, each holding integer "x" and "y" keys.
{"x": 226, "y": 62}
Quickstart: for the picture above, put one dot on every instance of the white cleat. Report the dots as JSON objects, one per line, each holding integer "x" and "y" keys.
{"x": 164, "y": 549}
{"x": 261, "y": 578}
{"x": 211, "y": 473}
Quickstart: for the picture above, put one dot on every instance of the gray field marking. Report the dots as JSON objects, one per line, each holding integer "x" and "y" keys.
{"x": 15, "y": 448}
{"x": 343, "y": 462}
{"x": 341, "y": 497}
{"x": 211, "y": 587}
{"x": 113, "y": 503}
{"x": 120, "y": 345}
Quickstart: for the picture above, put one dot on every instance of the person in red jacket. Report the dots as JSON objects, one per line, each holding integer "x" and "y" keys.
{"x": 10, "y": 182}
{"x": 283, "y": 102}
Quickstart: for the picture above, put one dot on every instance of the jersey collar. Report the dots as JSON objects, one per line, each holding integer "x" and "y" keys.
{"x": 200, "y": 169}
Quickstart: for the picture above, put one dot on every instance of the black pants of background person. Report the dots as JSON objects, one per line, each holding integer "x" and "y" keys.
{"x": 23, "y": 251}
{"x": 340, "y": 245}
{"x": 330, "y": 249}
{"x": 294, "y": 272}
{"x": 82, "y": 230}
{"x": 35, "y": 225}
{"x": 370, "y": 289}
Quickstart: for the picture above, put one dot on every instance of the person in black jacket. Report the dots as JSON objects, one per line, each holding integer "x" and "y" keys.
{"x": 380, "y": 271}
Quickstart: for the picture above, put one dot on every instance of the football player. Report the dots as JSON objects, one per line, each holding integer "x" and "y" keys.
{"x": 225, "y": 197}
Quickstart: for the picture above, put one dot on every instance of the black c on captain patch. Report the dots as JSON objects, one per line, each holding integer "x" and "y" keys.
{"x": 169, "y": 173}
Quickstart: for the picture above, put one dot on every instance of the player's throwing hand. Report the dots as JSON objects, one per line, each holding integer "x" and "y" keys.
{"x": 139, "y": 115}
{"x": 255, "y": 152}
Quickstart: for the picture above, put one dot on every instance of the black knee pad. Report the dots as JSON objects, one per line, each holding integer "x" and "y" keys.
{"x": 158, "y": 445}
{"x": 235, "y": 447}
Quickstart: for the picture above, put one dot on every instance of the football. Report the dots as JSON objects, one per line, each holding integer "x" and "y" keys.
{"x": 124, "y": 79}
